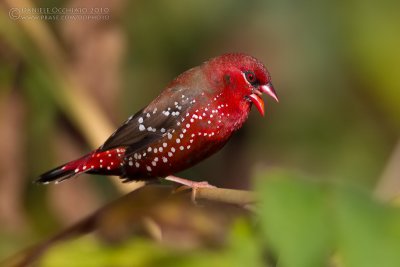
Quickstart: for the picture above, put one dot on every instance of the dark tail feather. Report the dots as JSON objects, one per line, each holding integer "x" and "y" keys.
{"x": 91, "y": 163}
{"x": 55, "y": 175}
{"x": 64, "y": 172}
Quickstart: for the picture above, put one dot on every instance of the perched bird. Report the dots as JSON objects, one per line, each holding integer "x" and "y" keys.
{"x": 192, "y": 118}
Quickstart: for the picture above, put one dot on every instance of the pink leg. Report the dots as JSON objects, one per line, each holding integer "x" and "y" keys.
{"x": 191, "y": 184}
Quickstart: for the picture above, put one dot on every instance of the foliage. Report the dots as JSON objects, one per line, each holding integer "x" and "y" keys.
{"x": 299, "y": 222}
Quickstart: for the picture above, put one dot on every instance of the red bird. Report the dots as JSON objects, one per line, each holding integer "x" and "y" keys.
{"x": 190, "y": 120}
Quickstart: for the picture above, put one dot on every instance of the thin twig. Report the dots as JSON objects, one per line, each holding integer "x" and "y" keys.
{"x": 229, "y": 196}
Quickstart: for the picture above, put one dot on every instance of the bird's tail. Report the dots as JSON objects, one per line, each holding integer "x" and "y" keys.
{"x": 109, "y": 162}
{"x": 63, "y": 172}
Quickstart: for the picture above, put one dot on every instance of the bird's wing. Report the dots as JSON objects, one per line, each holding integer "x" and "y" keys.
{"x": 151, "y": 123}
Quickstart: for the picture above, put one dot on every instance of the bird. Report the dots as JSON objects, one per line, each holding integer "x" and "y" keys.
{"x": 191, "y": 119}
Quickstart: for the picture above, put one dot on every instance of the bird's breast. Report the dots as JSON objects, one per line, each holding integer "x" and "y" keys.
{"x": 199, "y": 132}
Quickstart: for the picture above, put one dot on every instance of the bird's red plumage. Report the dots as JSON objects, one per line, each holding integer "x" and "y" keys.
{"x": 190, "y": 120}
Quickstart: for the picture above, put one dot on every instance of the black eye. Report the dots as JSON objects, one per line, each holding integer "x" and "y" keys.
{"x": 251, "y": 77}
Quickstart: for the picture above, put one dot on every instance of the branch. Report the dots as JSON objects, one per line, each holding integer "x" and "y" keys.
{"x": 228, "y": 196}
{"x": 149, "y": 209}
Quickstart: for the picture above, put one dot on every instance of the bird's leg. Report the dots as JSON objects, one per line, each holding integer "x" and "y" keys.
{"x": 193, "y": 185}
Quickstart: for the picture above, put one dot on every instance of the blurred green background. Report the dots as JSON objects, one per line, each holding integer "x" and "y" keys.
{"x": 66, "y": 83}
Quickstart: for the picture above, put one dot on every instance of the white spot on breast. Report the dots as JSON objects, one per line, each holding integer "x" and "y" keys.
{"x": 169, "y": 136}
{"x": 166, "y": 113}
{"x": 137, "y": 164}
{"x": 160, "y": 149}
{"x": 183, "y": 130}
{"x": 140, "y": 120}
{"x": 148, "y": 115}
{"x": 141, "y": 127}
{"x": 187, "y": 125}
{"x": 209, "y": 122}
{"x": 164, "y": 144}
{"x": 162, "y": 130}
{"x": 170, "y": 154}
{"x": 148, "y": 168}
{"x": 156, "y": 159}
{"x": 178, "y": 140}
{"x": 188, "y": 147}
{"x": 155, "y": 110}
{"x": 181, "y": 135}
{"x": 164, "y": 159}
{"x": 155, "y": 150}
{"x": 130, "y": 163}
{"x": 149, "y": 149}
{"x": 154, "y": 163}
{"x": 181, "y": 148}
{"x": 173, "y": 149}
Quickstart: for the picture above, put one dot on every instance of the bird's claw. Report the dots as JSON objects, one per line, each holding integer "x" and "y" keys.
{"x": 191, "y": 184}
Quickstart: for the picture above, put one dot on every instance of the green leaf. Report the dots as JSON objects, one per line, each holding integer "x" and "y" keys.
{"x": 368, "y": 232}
{"x": 294, "y": 219}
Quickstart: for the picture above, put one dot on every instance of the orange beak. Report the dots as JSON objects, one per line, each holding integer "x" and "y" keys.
{"x": 258, "y": 101}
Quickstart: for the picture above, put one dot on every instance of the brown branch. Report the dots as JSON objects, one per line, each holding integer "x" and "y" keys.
{"x": 149, "y": 209}
{"x": 228, "y": 196}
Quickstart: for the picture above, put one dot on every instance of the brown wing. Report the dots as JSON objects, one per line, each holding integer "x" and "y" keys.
{"x": 151, "y": 123}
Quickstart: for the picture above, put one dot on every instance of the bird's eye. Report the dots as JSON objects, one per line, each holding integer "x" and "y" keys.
{"x": 251, "y": 77}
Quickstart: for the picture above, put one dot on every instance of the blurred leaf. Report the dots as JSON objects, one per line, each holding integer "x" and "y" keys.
{"x": 137, "y": 252}
{"x": 304, "y": 222}
{"x": 368, "y": 232}
{"x": 295, "y": 219}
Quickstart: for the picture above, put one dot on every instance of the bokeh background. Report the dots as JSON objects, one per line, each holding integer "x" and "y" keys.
{"x": 65, "y": 84}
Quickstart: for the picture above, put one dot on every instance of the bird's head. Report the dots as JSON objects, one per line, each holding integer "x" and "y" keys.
{"x": 241, "y": 78}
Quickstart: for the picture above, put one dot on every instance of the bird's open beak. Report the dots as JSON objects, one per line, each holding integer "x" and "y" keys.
{"x": 256, "y": 96}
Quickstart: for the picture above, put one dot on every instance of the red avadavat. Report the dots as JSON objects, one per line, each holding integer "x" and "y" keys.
{"x": 192, "y": 118}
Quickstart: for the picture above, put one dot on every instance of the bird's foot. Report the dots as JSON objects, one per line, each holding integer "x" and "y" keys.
{"x": 193, "y": 185}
